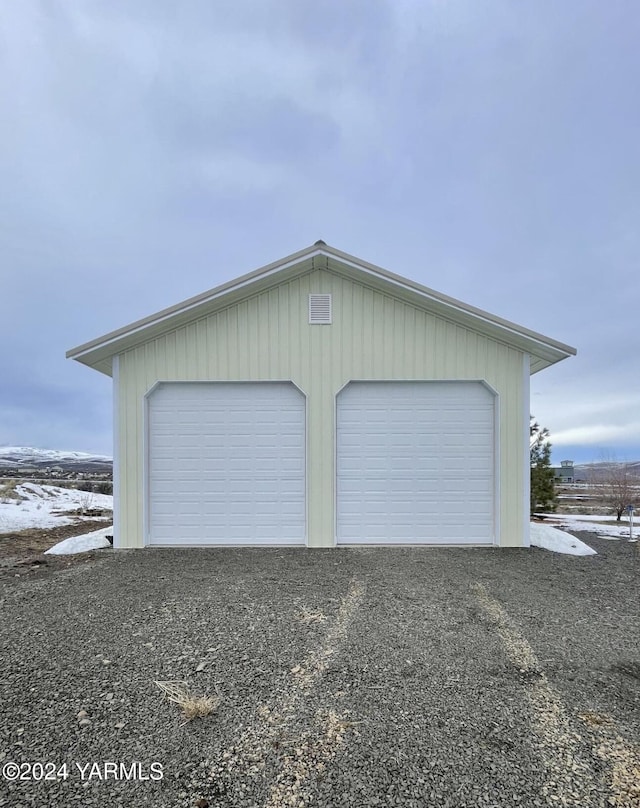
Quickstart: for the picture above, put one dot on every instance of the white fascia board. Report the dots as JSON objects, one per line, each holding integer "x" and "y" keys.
{"x": 115, "y": 491}
{"x": 188, "y": 305}
{"x": 526, "y": 459}
{"x": 558, "y": 348}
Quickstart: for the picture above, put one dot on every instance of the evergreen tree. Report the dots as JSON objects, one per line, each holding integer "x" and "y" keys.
{"x": 543, "y": 495}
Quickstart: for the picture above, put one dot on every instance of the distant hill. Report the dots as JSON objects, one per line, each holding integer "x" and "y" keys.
{"x": 597, "y": 472}
{"x": 22, "y": 458}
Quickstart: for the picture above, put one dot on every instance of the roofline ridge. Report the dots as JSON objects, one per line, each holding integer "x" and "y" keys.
{"x": 318, "y": 248}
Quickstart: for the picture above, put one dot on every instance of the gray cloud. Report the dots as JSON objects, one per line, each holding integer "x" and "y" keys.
{"x": 151, "y": 150}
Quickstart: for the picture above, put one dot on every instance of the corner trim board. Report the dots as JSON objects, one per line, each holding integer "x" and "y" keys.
{"x": 115, "y": 371}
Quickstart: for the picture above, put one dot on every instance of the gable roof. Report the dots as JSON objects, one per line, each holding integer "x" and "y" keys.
{"x": 98, "y": 353}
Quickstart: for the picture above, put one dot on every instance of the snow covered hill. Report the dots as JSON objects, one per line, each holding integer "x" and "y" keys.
{"x": 22, "y": 458}
{"x": 600, "y": 471}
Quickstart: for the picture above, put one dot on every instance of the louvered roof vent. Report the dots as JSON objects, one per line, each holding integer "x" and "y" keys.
{"x": 320, "y": 309}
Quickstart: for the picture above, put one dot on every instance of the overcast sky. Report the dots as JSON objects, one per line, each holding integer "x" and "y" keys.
{"x": 151, "y": 149}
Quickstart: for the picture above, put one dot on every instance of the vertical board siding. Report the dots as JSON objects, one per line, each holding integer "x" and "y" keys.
{"x": 373, "y": 336}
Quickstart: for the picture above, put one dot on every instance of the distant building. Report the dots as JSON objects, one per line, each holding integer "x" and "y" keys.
{"x": 564, "y": 473}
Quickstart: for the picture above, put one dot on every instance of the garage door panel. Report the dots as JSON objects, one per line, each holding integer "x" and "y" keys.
{"x": 226, "y": 464}
{"x": 415, "y": 463}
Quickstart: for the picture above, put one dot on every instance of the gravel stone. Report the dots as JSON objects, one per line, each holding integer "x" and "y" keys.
{"x": 405, "y": 695}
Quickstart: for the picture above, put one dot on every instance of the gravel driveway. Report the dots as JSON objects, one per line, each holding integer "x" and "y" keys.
{"x": 410, "y": 677}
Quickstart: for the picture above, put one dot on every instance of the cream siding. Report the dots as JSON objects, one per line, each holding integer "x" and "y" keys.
{"x": 268, "y": 337}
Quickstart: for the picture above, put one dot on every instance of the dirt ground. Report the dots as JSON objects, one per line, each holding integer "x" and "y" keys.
{"x": 23, "y": 551}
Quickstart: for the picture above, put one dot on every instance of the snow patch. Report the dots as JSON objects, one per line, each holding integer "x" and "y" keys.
{"x": 550, "y": 538}
{"x": 590, "y": 523}
{"x": 96, "y": 540}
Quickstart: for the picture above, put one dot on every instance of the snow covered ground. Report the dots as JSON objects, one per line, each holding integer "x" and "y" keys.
{"x": 550, "y": 535}
{"x": 604, "y": 526}
{"x": 40, "y": 506}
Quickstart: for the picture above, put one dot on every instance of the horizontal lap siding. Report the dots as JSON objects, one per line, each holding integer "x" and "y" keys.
{"x": 268, "y": 337}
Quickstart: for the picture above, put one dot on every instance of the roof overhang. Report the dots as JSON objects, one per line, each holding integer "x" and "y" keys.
{"x": 98, "y": 353}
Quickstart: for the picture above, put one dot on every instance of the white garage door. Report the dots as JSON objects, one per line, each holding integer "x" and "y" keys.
{"x": 226, "y": 464}
{"x": 415, "y": 463}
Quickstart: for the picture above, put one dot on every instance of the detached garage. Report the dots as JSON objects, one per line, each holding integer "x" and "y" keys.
{"x": 321, "y": 401}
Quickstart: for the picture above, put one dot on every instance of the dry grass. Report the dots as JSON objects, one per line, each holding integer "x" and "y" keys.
{"x": 8, "y": 491}
{"x": 571, "y": 778}
{"x": 192, "y": 706}
{"x": 307, "y": 616}
{"x": 594, "y": 719}
{"x": 308, "y": 758}
{"x": 281, "y": 716}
